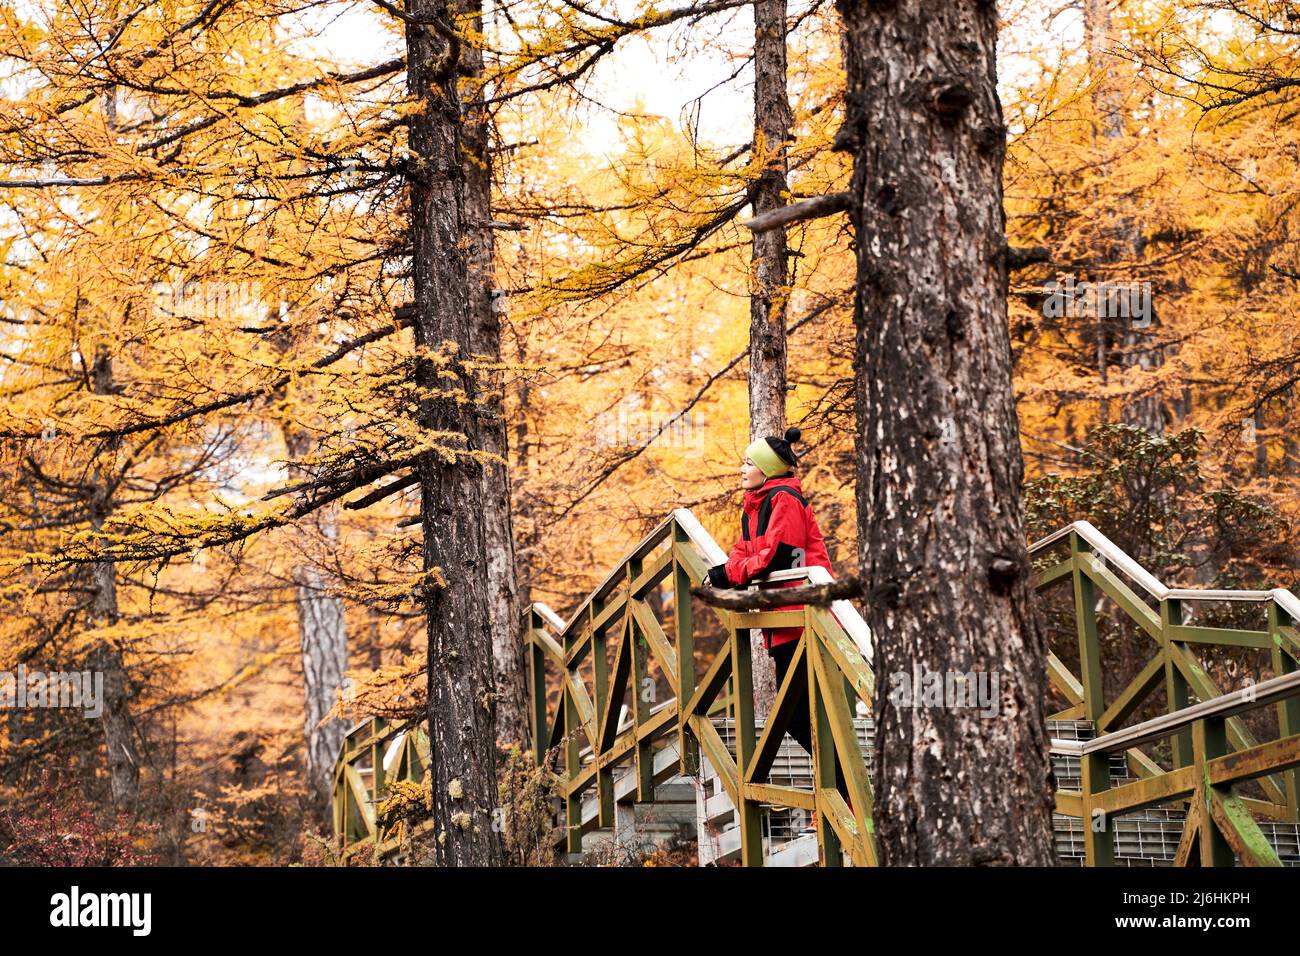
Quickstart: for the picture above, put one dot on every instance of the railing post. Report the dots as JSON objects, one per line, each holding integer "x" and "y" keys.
{"x": 1176, "y": 688}
{"x": 644, "y": 756}
{"x": 684, "y": 612}
{"x": 377, "y": 770}
{"x": 830, "y": 847}
{"x": 600, "y": 688}
{"x": 572, "y": 761}
{"x": 1210, "y": 740}
{"x": 1098, "y": 825}
{"x": 1085, "y": 615}
{"x": 748, "y": 813}
{"x": 1288, "y": 711}
{"x": 537, "y": 681}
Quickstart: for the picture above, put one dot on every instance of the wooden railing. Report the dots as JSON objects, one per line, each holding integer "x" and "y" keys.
{"x": 602, "y": 655}
{"x": 375, "y": 753}
{"x": 831, "y": 662}
{"x": 1211, "y": 746}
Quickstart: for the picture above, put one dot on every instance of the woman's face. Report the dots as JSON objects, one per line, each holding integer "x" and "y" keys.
{"x": 751, "y": 476}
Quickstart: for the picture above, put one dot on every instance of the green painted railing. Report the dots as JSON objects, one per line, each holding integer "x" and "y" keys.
{"x": 1211, "y": 746}
{"x": 602, "y": 656}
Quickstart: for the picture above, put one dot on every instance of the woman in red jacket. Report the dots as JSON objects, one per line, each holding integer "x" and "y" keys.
{"x": 777, "y": 531}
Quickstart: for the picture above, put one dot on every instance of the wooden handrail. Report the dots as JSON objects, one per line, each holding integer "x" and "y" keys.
{"x": 1116, "y": 557}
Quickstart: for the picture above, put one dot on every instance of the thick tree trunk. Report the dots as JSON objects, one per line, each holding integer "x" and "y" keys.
{"x": 941, "y": 535}
{"x": 461, "y": 723}
{"x": 502, "y": 579}
{"x": 769, "y": 273}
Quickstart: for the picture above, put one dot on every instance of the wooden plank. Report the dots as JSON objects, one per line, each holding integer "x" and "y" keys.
{"x": 1148, "y": 792}
{"x": 1064, "y": 681}
{"x": 714, "y": 679}
{"x": 1098, "y": 840}
{"x": 548, "y": 644}
{"x": 1045, "y": 579}
{"x": 1288, "y": 638}
{"x": 1177, "y": 692}
{"x": 1220, "y": 636}
{"x": 1132, "y": 696}
{"x": 1268, "y": 811}
{"x": 582, "y": 704}
{"x": 748, "y": 816}
{"x": 1188, "y": 852}
{"x": 1070, "y": 713}
{"x": 684, "y": 689}
{"x": 769, "y": 743}
{"x": 844, "y": 651}
{"x": 1240, "y": 830}
{"x": 744, "y": 620}
{"x": 1255, "y": 762}
{"x": 657, "y": 639}
{"x": 715, "y": 750}
{"x": 1238, "y": 736}
{"x": 361, "y": 798}
{"x": 691, "y": 561}
{"x": 832, "y": 808}
{"x": 1209, "y": 741}
{"x": 844, "y": 735}
{"x": 537, "y": 691}
{"x": 1069, "y": 803}
{"x": 781, "y": 796}
{"x": 1085, "y": 616}
{"x": 1121, "y": 594}
{"x": 1288, "y": 711}
{"x": 616, "y": 688}
{"x": 654, "y": 572}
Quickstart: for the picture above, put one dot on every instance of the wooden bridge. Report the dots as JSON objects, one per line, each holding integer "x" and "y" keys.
{"x": 637, "y": 706}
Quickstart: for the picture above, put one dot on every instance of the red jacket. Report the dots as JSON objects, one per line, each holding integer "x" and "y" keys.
{"x": 790, "y": 539}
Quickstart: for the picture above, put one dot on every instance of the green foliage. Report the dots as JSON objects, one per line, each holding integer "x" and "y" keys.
{"x": 1151, "y": 495}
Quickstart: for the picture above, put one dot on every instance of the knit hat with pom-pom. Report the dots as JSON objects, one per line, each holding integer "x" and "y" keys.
{"x": 773, "y": 456}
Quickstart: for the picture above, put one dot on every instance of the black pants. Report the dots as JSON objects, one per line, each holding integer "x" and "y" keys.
{"x": 800, "y": 726}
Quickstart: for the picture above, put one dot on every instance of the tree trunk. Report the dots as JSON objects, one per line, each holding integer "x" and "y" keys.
{"x": 502, "y": 578}
{"x": 323, "y": 638}
{"x": 940, "y": 516}
{"x": 322, "y": 627}
{"x": 106, "y": 659}
{"x": 461, "y": 724}
{"x": 1124, "y": 233}
{"x": 769, "y": 273}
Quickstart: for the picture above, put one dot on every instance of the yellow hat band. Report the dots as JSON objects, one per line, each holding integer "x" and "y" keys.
{"x": 765, "y": 457}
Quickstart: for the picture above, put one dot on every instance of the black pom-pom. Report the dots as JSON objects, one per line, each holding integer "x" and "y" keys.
{"x": 793, "y": 434}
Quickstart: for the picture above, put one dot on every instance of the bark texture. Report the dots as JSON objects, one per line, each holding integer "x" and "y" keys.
{"x": 941, "y": 535}
{"x": 461, "y": 718}
{"x": 323, "y": 638}
{"x": 485, "y": 310}
{"x": 769, "y": 269}
{"x": 322, "y": 618}
{"x": 105, "y": 658}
